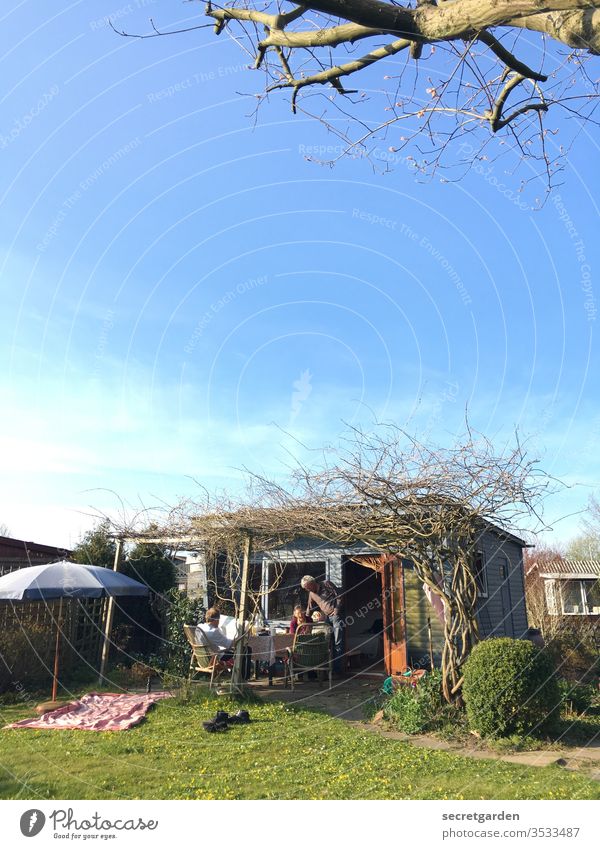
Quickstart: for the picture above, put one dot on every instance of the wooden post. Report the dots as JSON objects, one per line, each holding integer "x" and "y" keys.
{"x": 237, "y": 672}
{"x": 430, "y": 639}
{"x": 57, "y": 652}
{"x": 110, "y": 611}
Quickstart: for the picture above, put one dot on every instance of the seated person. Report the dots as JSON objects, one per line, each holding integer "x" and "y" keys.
{"x": 300, "y": 622}
{"x": 218, "y": 641}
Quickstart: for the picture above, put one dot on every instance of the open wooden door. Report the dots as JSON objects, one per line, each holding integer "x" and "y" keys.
{"x": 394, "y": 620}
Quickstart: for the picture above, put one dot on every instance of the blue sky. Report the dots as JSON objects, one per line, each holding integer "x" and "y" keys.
{"x": 185, "y": 293}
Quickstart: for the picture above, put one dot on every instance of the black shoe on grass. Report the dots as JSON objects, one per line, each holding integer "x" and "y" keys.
{"x": 242, "y": 717}
{"x": 211, "y": 726}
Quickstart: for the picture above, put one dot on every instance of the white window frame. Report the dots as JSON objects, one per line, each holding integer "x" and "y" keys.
{"x": 583, "y": 604}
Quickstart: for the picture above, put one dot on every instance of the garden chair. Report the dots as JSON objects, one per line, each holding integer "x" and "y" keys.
{"x": 204, "y": 659}
{"x": 310, "y": 652}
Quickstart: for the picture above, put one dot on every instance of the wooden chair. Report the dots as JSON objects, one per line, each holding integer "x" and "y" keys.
{"x": 310, "y": 652}
{"x": 203, "y": 657}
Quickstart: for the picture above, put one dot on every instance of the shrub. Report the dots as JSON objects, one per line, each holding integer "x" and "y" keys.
{"x": 415, "y": 710}
{"x": 181, "y": 611}
{"x": 576, "y": 698}
{"x": 26, "y": 658}
{"x": 510, "y": 687}
{"x": 575, "y": 652}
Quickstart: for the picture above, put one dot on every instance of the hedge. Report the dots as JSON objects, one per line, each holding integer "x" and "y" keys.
{"x": 510, "y": 687}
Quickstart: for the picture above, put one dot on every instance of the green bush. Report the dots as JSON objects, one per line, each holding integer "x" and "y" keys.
{"x": 576, "y": 698}
{"x": 415, "y": 710}
{"x": 26, "y": 658}
{"x": 181, "y": 611}
{"x": 510, "y": 687}
{"x": 575, "y": 653}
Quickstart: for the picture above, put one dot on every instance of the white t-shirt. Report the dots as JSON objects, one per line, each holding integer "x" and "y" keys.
{"x": 218, "y": 641}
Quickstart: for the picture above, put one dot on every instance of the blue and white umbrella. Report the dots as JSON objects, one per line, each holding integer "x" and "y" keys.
{"x": 66, "y": 580}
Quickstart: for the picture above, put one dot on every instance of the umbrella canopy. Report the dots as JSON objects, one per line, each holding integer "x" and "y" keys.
{"x": 67, "y": 580}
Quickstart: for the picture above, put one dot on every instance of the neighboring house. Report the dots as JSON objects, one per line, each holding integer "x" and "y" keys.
{"x": 570, "y": 587}
{"x": 18, "y": 553}
{"x": 389, "y": 621}
{"x": 191, "y": 575}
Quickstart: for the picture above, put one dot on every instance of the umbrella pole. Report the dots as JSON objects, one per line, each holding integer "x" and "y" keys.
{"x": 109, "y": 616}
{"x": 57, "y": 651}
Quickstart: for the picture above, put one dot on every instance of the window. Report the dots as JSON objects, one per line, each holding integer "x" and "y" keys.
{"x": 580, "y": 598}
{"x": 503, "y": 568}
{"x": 591, "y": 590}
{"x": 280, "y": 601}
{"x": 480, "y": 574}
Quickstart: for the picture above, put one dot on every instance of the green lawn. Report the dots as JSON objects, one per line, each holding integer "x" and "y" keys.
{"x": 284, "y": 754}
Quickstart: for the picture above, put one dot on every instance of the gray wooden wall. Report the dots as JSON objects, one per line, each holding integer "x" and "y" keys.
{"x": 503, "y": 612}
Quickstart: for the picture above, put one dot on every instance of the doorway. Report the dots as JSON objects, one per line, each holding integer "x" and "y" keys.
{"x": 363, "y": 613}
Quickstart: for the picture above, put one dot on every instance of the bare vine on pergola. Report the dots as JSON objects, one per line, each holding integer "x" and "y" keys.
{"x": 427, "y": 504}
{"x": 450, "y": 69}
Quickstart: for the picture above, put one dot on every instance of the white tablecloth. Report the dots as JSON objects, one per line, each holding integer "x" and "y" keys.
{"x": 268, "y": 646}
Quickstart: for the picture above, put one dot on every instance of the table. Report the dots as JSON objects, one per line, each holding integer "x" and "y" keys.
{"x": 266, "y": 647}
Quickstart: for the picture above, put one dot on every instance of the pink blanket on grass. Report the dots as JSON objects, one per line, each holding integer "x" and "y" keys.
{"x": 96, "y": 712}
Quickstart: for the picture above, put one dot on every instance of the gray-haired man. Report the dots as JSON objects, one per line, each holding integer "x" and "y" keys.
{"x": 326, "y": 596}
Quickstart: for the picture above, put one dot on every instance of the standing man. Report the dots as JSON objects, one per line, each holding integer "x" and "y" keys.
{"x": 326, "y": 596}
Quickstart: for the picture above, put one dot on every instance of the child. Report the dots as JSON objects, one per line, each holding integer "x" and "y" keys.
{"x": 320, "y": 623}
{"x": 299, "y": 618}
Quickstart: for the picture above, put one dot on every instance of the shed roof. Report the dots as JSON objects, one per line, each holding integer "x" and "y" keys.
{"x": 566, "y": 569}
